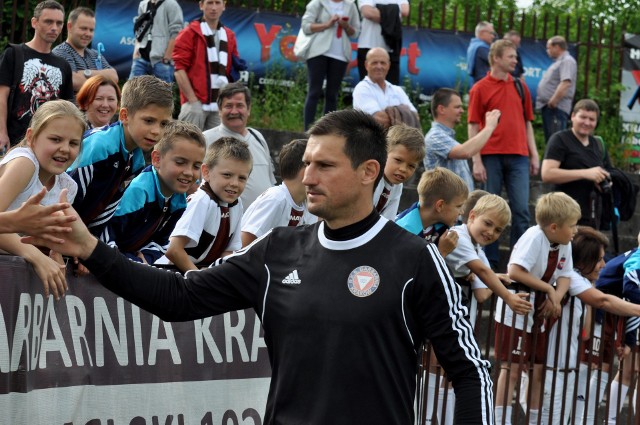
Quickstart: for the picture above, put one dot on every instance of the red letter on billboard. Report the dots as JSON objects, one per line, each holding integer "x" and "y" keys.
{"x": 413, "y": 54}
{"x": 286, "y": 47}
{"x": 266, "y": 39}
{"x": 354, "y": 61}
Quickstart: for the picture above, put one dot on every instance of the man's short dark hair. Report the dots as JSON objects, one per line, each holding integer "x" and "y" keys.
{"x": 365, "y": 138}
{"x": 75, "y": 13}
{"x": 558, "y": 40}
{"x": 442, "y": 97}
{"x": 290, "y": 158}
{"x": 231, "y": 90}
{"x": 587, "y": 105}
{"x": 47, "y": 4}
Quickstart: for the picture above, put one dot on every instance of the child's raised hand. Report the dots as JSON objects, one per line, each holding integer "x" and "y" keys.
{"x": 518, "y": 302}
{"x": 447, "y": 242}
{"x": 623, "y": 352}
{"x": 52, "y": 275}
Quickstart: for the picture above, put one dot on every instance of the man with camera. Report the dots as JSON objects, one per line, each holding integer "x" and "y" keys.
{"x": 577, "y": 162}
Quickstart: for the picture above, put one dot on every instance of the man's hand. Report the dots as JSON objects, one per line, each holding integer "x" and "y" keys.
{"x": 518, "y": 302}
{"x": 78, "y": 243}
{"x": 595, "y": 174}
{"x": 36, "y": 220}
{"x": 479, "y": 172}
{"x": 447, "y": 242}
{"x": 491, "y": 118}
{"x": 534, "y": 165}
{"x": 383, "y": 119}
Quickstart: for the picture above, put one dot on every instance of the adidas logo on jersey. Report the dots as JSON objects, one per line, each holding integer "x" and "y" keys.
{"x": 292, "y": 279}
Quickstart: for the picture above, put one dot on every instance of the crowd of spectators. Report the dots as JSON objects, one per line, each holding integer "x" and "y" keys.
{"x": 191, "y": 191}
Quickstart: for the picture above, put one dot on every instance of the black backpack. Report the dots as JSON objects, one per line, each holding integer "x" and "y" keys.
{"x": 619, "y": 202}
{"x": 624, "y": 193}
{"x": 143, "y": 23}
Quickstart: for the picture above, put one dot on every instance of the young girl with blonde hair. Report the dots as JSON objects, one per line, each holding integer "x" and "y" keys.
{"x": 51, "y": 144}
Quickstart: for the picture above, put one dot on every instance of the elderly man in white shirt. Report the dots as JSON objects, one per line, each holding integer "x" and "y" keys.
{"x": 374, "y": 94}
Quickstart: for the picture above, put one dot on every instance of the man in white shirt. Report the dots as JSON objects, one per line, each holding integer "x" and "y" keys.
{"x": 371, "y": 33}
{"x": 374, "y": 94}
{"x": 234, "y": 104}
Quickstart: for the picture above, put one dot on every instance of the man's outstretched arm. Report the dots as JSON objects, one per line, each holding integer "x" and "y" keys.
{"x": 167, "y": 294}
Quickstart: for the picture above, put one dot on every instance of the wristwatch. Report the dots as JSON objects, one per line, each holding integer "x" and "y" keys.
{"x": 87, "y": 73}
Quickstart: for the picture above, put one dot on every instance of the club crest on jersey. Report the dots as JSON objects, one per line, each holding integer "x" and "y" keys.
{"x": 561, "y": 263}
{"x": 363, "y": 281}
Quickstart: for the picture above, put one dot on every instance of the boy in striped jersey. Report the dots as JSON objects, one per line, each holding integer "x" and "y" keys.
{"x": 405, "y": 151}
{"x": 210, "y": 227}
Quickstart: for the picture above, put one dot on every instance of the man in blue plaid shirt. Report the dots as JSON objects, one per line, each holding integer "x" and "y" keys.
{"x": 442, "y": 148}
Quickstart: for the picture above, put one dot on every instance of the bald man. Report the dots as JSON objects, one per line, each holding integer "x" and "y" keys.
{"x": 374, "y": 94}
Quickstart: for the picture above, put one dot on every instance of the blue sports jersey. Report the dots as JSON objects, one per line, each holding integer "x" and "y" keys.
{"x": 101, "y": 172}
{"x": 144, "y": 218}
{"x": 410, "y": 220}
{"x": 619, "y": 277}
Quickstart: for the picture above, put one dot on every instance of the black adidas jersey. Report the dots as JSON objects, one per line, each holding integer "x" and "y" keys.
{"x": 343, "y": 320}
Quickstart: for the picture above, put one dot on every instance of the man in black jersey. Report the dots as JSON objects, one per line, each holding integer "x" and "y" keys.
{"x": 345, "y": 303}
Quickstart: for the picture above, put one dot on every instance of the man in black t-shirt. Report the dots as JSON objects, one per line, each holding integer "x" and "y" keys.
{"x": 577, "y": 162}
{"x": 42, "y": 75}
{"x": 345, "y": 303}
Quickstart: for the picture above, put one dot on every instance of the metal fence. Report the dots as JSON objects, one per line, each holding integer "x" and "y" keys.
{"x": 581, "y": 362}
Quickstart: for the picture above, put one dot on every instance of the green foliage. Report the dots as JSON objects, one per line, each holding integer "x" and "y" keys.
{"x": 279, "y": 104}
{"x": 610, "y": 129}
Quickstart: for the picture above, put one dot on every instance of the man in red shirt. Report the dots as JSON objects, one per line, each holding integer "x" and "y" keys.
{"x": 203, "y": 60}
{"x": 510, "y": 155}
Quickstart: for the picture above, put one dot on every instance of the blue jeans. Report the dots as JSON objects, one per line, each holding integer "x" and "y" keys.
{"x": 161, "y": 70}
{"x": 553, "y": 120}
{"x": 512, "y": 171}
{"x": 319, "y": 68}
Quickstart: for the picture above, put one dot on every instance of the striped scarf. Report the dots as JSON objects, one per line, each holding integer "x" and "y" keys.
{"x": 218, "y": 59}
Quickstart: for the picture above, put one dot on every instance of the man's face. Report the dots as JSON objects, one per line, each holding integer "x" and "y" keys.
{"x": 553, "y": 51}
{"x": 515, "y": 39}
{"x": 487, "y": 34}
{"x": 49, "y": 25}
{"x": 234, "y": 112}
{"x": 81, "y": 32}
{"x": 330, "y": 180}
{"x": 584, "y": 122}
{"x": 507, "y": 62}
{"x": 212, "y": 9}
{"x": 377, "y": 65}
{"x": 451, "y": 114}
